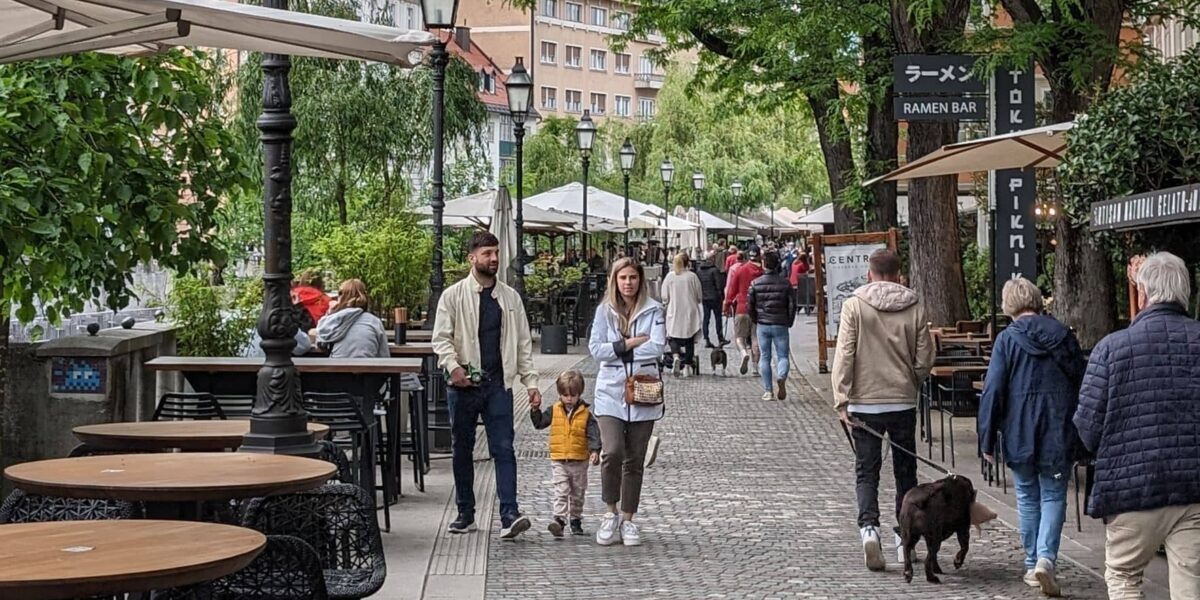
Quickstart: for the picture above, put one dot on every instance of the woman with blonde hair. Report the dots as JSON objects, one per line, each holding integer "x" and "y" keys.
{"x": 628, "y": 337}
{"x": 682, "y": 297}
{"x": 348, "y": 330}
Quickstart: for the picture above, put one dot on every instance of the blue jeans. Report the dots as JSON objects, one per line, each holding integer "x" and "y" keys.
{"x": 495, "y": 403}
{"x": 1042, "y": 506}
{"x": 773, "y": 336}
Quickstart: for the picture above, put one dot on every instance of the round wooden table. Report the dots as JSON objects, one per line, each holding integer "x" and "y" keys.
{"x": 190, "y": 436}
{"x": 174, "y": 477}
{"x": 76, "y": 559}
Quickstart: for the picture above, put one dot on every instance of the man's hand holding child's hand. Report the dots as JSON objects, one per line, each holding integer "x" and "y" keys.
{"x": 595, "y": 458}
{"x": 535, "y": 401}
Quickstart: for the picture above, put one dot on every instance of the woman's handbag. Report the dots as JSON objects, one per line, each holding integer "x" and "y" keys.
{"x": 643, "y": 390}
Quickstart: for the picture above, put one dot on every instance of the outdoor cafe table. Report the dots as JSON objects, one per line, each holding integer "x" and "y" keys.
{"x": 171, "y": 477}
{"x": 77, "y": 559}
{"x": 189, "y": 436}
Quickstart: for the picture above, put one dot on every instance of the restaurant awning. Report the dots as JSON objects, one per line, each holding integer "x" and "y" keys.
{"x": 606, "y": 205}
{"x": 1037, "y": 147}
{"x": 31, "y": 29}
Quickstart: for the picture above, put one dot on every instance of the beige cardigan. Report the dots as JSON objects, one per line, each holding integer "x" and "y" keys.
{"x": 456, "y": 331}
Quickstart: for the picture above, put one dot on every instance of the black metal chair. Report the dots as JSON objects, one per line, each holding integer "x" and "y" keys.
{"x": 412, "y": 444}
{"x": 180, "y": 406}
{"x": 956, "y": 400}
{"x": 235, "y": 406}
{"x": 20, "y": 507}
{"x": 338, "y": 521}
{"x": 331, "y": 453}
{"x": 351, "y": 429}
{"x": 287, "y": 569}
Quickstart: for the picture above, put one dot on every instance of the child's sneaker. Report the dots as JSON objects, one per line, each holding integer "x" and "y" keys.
{"x": 556, "y": 527}
{"x": 577, "y": 527}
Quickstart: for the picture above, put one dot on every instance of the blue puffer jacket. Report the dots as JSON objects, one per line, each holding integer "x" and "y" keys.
{"x": 1139, "y": 412}
{"x": 1030, "y": 394}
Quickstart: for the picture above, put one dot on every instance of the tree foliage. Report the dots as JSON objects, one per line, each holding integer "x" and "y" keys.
{"x": 106, "y": 163}
{"x": 390, "y": 255}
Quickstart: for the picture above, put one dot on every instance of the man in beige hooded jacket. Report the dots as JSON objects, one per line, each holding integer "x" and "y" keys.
{"x": 884, "y": 351}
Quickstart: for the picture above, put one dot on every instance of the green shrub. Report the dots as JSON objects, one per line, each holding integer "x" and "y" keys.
{"x": 208, "y": 324}
{"x": 977, "y": 270}
{"x": 390, "y": 255}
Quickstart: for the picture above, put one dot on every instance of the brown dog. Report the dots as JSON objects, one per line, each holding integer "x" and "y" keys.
{"x": 936, "y": 511}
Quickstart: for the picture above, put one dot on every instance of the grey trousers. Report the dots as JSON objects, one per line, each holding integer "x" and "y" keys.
{"x": 621, "y": 460}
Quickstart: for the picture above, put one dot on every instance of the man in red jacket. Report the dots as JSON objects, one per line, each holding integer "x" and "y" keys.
{"x": 737, "y": 302}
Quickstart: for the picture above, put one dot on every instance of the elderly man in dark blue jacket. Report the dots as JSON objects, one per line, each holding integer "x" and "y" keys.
{"x": 1139, "y": 412}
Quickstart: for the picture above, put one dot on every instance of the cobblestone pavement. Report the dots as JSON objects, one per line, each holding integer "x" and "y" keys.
{"x": 747, "y": 500}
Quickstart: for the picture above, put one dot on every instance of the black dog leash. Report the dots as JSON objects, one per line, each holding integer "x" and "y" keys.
{"x": 867, "y": 428}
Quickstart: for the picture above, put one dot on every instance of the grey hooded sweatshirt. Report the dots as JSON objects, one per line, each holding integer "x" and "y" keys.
{"x": 884, "y": 349}
{"x": 352, "y": 333}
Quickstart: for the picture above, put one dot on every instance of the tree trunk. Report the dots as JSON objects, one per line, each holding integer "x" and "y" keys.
{"x": 935, "y": 251}
{"x": 883, "y": 133}
{"x": 839, "y": 157}
{"x": 339, "y": 196}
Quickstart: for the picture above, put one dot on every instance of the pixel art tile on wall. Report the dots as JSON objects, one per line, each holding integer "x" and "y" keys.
{"x": 72, "y": 375}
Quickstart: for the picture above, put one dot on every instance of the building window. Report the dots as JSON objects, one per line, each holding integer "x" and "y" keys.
{"x": 506, "y": 129}
{"x": 645, "y": 107}
{"x": 621, "y": 21}
{"x": 599, "y": 60}
{"x": 550, "y": 8}
{"x": 549, "y": 53}
{"x": 574, "y": 101}
{"x": 598, "y": 103}
{"x": 549, "y": 98}
{"x": 574, "y": 54}
{"x": 599, "y": 16}
{"x": 622, "y": 63}
{"x": 412, "y": 20}
{"x": 645, "y": 65}
{"x": 487, "y": 82}
{"x": 574, "y": 12}
{"x": 621, "y": 105}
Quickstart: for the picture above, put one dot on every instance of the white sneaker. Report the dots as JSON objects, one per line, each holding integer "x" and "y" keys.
{"x": 872, "y": 551}
{"x": 900, "y": 550}
{"x": 768, "y": 397}
{"x": 1031, "y": 579}
{"x": 609, "y": 531}
{"x": 1044, "y": 572}
{"x": 677, "y": 366}
{"x": 630, "y": 536}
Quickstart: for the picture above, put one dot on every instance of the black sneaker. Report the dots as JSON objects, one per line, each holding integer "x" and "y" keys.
{"x": 708, "y": 344}
{"x": 556, "y": 527}
{"x": 577, "y": 527}
{"x": 463, "y": 524}
{"x": 511, "y": 527}
{"x": 722, "y": 343}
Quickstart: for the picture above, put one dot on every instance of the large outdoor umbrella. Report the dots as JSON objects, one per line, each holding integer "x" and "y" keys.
{"x": 701, "y": 236}
{"x": 606, "y": 205}
{"x": 476, "y": 210}
{"x": 505, "y": 230}
{"x": 1038, "y": 147}
{"x": 32, "y": 29}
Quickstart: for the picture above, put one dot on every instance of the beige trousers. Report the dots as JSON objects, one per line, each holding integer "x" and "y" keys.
{"x": 1134, "y": 537}
{"x": 570, "y": 484}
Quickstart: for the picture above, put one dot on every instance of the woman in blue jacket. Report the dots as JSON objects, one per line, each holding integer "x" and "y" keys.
{"x": 628, "y": 335}
{"x": 1029, "y": 398}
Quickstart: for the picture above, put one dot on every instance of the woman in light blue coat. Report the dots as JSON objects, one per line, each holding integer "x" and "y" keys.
{"x": 628, "y": 336}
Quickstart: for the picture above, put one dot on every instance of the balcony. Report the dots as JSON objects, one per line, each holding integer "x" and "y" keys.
{"x": 648, "y": 81}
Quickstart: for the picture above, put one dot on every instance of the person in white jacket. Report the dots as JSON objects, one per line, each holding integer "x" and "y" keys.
{"x": 628, "y": 336}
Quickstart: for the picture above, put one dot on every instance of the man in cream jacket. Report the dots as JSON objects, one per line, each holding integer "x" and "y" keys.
{"x": 481, "y": 329}
{"x": 884, "y": 351}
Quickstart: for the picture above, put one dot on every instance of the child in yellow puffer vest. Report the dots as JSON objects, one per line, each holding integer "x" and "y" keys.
{"x": 574, "y": 442}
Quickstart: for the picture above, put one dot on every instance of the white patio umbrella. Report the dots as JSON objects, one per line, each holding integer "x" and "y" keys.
{"x": 476, "y": 210}
{"x": 505, "y": 230}
{"x": 700, "y": 242}
{"x": 1037, "y": 147}
{"x": 32, "y": 29}
{"x": 606, "y": 205}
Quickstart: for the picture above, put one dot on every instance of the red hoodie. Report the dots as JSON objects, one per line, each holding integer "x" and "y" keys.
{"x": 738, "y": 291}
{"x": 314, "y": 301}
{"x": 798, "y": 269}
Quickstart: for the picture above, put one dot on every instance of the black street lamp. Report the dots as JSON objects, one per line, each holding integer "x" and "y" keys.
{"x": 667, "y": 170}
{"x": 278, "y": 421}
{"x": 438, "y": 14}
{"x": 736, "y": 188}
{"x": 519, "y": 87}
{"x": 585, "y": 133}
{"x": 628, "y": 154}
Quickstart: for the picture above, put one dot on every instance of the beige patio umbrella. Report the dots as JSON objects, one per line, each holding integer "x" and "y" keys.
{"x": 31, "y": 29}
{"x": 1038, "y": 147}
{"x": 505, "y": 230}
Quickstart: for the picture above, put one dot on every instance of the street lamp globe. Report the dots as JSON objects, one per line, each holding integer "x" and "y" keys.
{"x": 439, "y": 14}
{"x": 697, "y": 180}
{"x": 519, "y": 87}
{"x": 628, "y": 153}
{"x": 667, "y": 170}
{"x": 585, "y": 133}
{"x": 807, "y": 201}
{"x": 736, "y": 188}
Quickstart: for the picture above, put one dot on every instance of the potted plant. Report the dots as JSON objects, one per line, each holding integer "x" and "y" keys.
{"x": 547, "y": 283}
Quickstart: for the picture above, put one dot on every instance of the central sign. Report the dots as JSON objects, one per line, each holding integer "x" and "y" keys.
{"x": 941, "y": 108}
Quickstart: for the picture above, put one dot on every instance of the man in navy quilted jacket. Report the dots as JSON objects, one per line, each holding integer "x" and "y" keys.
{"x": 1139, "y": 413}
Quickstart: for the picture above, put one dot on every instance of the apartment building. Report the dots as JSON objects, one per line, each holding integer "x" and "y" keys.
{"x": 567, "y": 48}
{"x": 1171, "y": 37}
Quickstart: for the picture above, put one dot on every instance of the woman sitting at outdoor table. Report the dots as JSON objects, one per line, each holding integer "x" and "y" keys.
{"x": 1029, "y": 397}
{"x": 348, "y": 330}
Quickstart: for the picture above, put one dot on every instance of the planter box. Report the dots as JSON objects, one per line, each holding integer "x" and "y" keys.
{"x": 554, "y": 339}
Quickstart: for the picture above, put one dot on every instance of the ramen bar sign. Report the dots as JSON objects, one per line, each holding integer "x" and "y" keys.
{"x": 1163, "y": 207}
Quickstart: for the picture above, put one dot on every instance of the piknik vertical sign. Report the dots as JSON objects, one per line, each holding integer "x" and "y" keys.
{"x": 1015, "y": 189}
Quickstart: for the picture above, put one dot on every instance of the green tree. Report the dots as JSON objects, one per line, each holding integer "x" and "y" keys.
{"x": 390, "y": 255}
{"x": 106, "y": 163}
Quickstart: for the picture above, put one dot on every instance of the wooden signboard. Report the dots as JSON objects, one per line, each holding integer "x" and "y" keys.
{"x": 840, "y": 267}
